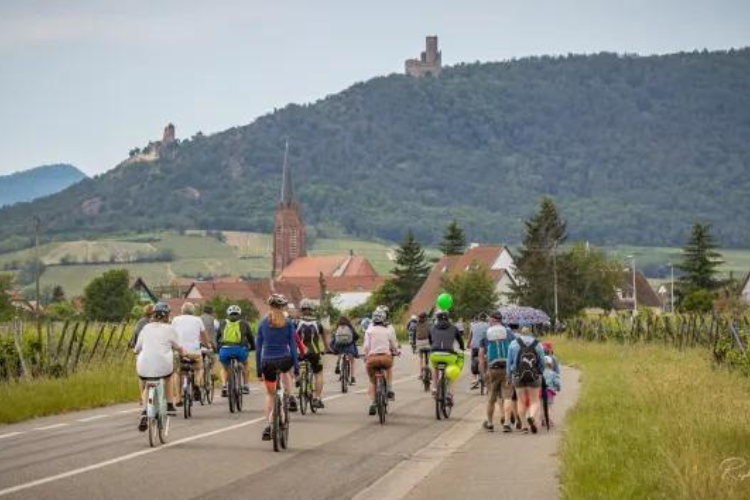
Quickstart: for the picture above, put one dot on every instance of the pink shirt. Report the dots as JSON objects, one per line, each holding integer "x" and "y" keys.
{"x": 380, "y": 339}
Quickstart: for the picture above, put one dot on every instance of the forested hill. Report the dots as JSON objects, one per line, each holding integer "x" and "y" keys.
{"x": 633, "y": 149}
{"x": 36, "y": 182}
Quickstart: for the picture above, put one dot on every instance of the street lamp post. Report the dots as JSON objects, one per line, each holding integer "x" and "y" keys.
{"x": 635, "y": 291}
{"x": 671, "y": 290}
{"x": 554, "y": 272}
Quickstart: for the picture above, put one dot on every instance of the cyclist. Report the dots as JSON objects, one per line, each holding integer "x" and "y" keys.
{"x": 276, "y": 352}
{"x": 235, "y": 340}
{"x": 144, "y": 320}
{"x": 493, "y": 361}
{"x": 477, "y": 333}
{"x": 311, "y": 332}
{"x": 364, "y": 324}
{"x": 154, "y": 348}
{"x": 344, "y": 341}
{"x": 525, "y": 368}
{"x": 379, "y": 348}
{"x": 411, "y": 327}
{"x": 422, "y": 339}
{"x": 443, "y": 334}
{"x": 209, "y": 322}
{"x": 190, "y": 334}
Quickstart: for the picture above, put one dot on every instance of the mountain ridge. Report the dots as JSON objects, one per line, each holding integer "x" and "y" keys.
{"x": 632, "y": 148}
{"x": 28, "y": 185}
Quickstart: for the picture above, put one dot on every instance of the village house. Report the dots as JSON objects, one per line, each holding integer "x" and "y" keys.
{"x": 745, "y": 291}
{"x": 497, "y": 259}
{"x": 645, "y": 296}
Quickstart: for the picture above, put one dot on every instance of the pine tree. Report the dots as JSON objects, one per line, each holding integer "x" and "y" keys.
{"x": 454, "y": 240}
{"x": 411, "y": 268}
{"x": 700, "y": 261}
{"x": 545, "y": 232}
{"x": 58, "y": 294}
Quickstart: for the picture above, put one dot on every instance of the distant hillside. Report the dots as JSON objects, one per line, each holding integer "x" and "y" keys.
{"x": 633, "y": 149}
{"x": 37, "y": 182}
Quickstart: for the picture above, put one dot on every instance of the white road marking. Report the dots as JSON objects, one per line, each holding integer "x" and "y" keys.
{"x": 10, "y": 434}
{"x": 405, "y": 475}
{"x": 132, "y": 410}
{"x": 48, "y": 427}
{"x": 89, "y": 419}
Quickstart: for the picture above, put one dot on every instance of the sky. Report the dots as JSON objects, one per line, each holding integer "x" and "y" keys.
{"x": 85, "y": 81}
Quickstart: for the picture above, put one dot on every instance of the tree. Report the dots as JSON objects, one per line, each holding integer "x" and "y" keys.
{"x": 473, "y": 291}
{"x": 700, "y": 261}
{"x": 698, "y": 301}
{"x": 220, "y": 305}
{"x": 388, "y": 295}
{"x": 454, "y": 240}
{"x": 586, "y": 278}
{"x": 109, "y": 297}
{"x": 411, "y": 268}
{"x": 58, "y": 294}
{"x": 545, "y": 232}
{"x": 7, "y": 310}
{"x": 60, "y": 311}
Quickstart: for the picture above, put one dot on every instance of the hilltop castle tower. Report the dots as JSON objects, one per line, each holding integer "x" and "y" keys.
{"x": 429, "y": 63}
{"x": 289, "y": 238}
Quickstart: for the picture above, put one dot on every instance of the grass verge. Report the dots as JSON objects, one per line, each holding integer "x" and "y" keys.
{"x": 90, "y": 388}
{"x": 654, "y": 422}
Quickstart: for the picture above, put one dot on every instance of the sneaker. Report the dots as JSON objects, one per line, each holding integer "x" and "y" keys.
{"x": 353, "y": 381}
{"x": 373, "y": 409}
{"x": 507, "y": 428}
{"x": 337, "y": 371}
{"x": 524, "y": 431}
{"x": 474, "y": 386}
{"x": 292, "y": 404}
{"x": 245, "y": 389}
{"x": 224, "y": 391}
{"x": 179, "y": 404}
{"x": 197, "y": 394}
{"x": 512, "y": 418}
{"x": 267, "y": 433}
{"x": 391, "y": 396}
{"x": 488, "y": 426}
{"x": 518, "y": 424}
{"x": 532, "y": 425}
{"x": 143, "y": 424}
{"x": 171, "y": 410}
{"x": 318, "y": 403}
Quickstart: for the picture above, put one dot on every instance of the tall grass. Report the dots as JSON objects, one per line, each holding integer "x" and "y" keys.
{"x": 654, "y": 422}
{"x": 95, "y": 386}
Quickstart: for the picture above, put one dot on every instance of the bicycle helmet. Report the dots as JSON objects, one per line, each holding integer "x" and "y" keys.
{"x": 161, "y": 310}
{"x": 277, "y": 300}
{"x": 234, "y": 310}
{"x": 441, "y": 315}
{"x": 482, "y": 316}
{"x": 378, "y": 317}
{"x": 306, "y": 305}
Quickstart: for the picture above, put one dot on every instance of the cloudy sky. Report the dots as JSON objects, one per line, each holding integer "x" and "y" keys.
{"x": 84, "y": 81}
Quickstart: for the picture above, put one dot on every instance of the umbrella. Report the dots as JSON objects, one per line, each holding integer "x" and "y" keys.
{"x": 545, "y": 403}
{"x": 521, "y": 314}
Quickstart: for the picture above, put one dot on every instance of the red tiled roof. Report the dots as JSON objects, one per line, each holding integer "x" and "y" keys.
{"x": 256, "y": 291}
{"x": 329, "y": 265}
{"x": 310, "y": 287}
{"x": 451, "y": 266}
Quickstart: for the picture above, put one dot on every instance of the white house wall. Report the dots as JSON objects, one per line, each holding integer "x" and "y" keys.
{"x": 503, "y": 289}
{"x": 348, "y": 300}
{"x": 504, "y": 261}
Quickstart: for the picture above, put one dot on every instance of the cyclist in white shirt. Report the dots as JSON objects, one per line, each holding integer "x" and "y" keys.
{"x": 191, "y": 333}
{"x": 379, "y": 348}
{"x": 154, "y": 348}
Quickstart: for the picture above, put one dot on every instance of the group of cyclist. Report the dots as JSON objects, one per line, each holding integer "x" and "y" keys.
{"x": 507, "y": 358}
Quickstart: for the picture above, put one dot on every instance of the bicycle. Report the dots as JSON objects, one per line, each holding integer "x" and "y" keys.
{"x": 156, "y": 411}
{"x": 234, "y": 385}
{"x": 345, "y": 362}
{"x": 280, "y": 419}
{"x": 443, "y": 403}
{"x": 426, "y": 375}
{"x": 188, "y": 386}
{"x": 207, "y": 394}
{"x": 381, "y": 394}
{"x": 306, "y": 387}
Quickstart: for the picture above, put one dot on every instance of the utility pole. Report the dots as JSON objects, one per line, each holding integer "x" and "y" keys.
{"x": 37, "y": 227}
{"x": 635, "y": 290}
{"x": 554, "y": 272}
{"x": 671, "y": 290}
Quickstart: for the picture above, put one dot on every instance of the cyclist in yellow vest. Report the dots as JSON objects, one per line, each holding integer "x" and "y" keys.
{"x": 235, "y": 340}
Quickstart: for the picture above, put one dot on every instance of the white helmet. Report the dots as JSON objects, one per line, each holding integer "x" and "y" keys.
{"x": 379, "y": 316}
{"x": 234, "y": 310}
{"x": 306, "y": 305}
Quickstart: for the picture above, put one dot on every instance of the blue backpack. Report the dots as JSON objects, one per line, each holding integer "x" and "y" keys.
{"x": 498, "y": 343}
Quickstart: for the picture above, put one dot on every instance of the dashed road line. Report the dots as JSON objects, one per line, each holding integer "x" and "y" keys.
{"x": 89, "y": 419}
{"x": 50, "y": 427}
{"x": 11, "y": 434}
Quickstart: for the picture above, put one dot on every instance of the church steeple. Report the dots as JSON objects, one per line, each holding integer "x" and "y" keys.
{"x": 287, "y": 190}
{"x": 289, "y": 238}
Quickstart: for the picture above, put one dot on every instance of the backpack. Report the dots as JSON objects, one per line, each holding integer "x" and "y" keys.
{"x": 423, "y": 331}
{"x": 527, "y": 363}
{"x": 232, "y": 333}
{"x": 343, "y": 335}
{"x": 308, "y": 332}
{"x": 497, "y": 346}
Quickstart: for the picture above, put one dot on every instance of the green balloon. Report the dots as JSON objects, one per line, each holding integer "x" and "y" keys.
{"x": 444, "y": 301}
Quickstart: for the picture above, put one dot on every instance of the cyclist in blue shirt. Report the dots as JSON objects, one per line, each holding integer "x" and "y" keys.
{"x": 493, "y": 361}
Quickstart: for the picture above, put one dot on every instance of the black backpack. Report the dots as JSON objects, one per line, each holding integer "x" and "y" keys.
{"x": 309, "y": 333}
{"x": 527, "y": 363}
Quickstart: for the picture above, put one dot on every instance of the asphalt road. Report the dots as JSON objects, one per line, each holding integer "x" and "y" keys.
{"x": 337, "y": 453}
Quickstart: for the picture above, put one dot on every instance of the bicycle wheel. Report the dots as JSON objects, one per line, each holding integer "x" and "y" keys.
{"x": 186, "y": 397}
{"x": 276, "y": 426}
{"x": 238, "y": 386}
{"x": 285, "y": 425}
{"x": 345, "y": 375}
{"x": 163, "y": 428}
{"x": 153, "y": 430}
{"x": 302, "y": 399}
{"x": 310, "y": 392}
{"x": 208, "y": 383}
{"x": 426, "y": 379}
{"x": 445, "y": 406}
{"x": 381, "y": 399}
{"x": 231, "y": 393}
{"x": 439, "y": 395}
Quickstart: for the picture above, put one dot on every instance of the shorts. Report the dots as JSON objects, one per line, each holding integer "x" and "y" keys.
{"x": 526, "y": 385}
{"x": 314, "y": 358}
{"x": 423, "y": 344}
{"x": 378, "y": 361}
{"x": 448, "y": 358}
{"x": 269, "y": 367}
{"x": 346, "y": 349}
{"x": 227, "y": 352}
{"x": 498, "y": 385}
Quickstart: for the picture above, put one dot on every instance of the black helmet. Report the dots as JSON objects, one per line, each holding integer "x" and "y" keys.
{"x": 482, "y": 316}
{"x": 208, "y": 309}
{"x": 442, "y": 315}
{"x": 161, "y": 310}
{"x": 498, "y": 316}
